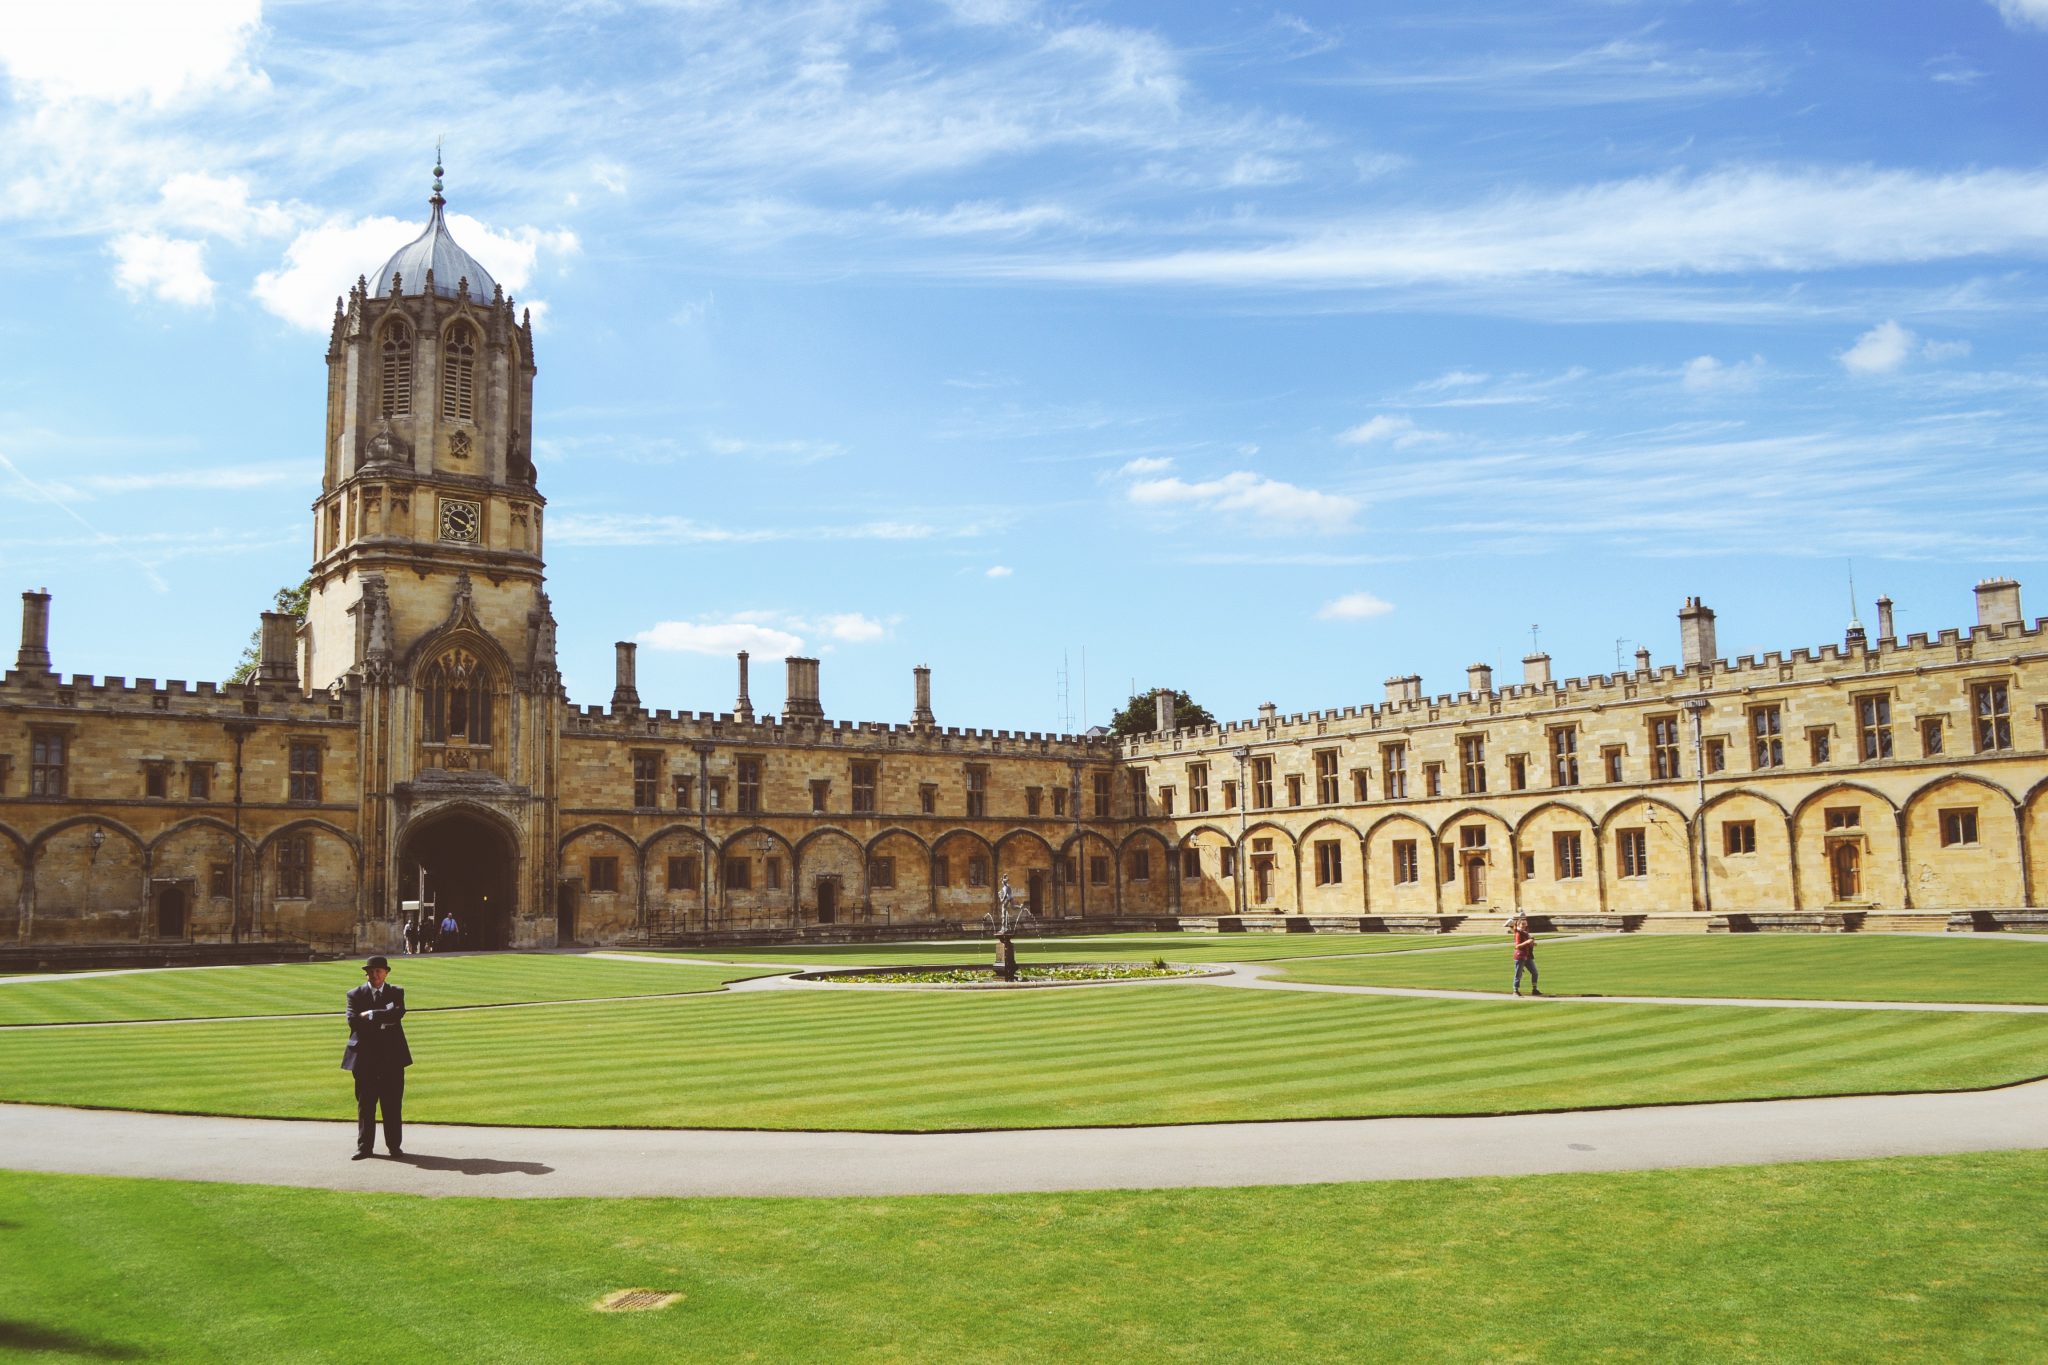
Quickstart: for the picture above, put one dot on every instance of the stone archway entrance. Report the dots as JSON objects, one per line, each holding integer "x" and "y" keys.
{"x": 466, "y": 864}
{"x": 171, "y": 907}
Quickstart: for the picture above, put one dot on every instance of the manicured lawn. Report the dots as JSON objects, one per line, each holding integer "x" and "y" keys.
{"x": 948, "y": 1060}
{"x": 1912, "y": 1260}
{"x": 1100, "y": 948}
{"x": 1962, "y": 968}
{"x": 318, "y": 987}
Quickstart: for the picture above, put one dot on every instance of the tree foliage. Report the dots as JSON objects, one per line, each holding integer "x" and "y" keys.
{"x": 1137, "y": 716}
{"x": 293, "y": 600}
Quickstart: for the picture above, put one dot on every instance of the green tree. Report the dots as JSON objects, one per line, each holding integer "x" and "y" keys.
{"x": 1137, "y": 716}
{"x": 293, "y": 600}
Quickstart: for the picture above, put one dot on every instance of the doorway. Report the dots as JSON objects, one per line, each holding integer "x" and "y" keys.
{"x": 171, "y": 903}
{"x": 1475, "y": 879}
{"x": 467, "y": 866}
{"x": 565, "y": 914}
{"x": 1845, "y": 866}
{"x": 828, "y": 899}
{"x": 1034, "y": 890}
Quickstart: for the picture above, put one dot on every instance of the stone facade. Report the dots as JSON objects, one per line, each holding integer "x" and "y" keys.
{"x": 411, "y": 739}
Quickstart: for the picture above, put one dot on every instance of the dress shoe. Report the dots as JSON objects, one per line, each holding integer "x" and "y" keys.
{"x": 360, "y": 1156}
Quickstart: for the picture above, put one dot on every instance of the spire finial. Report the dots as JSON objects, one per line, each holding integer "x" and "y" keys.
{"x": 437, "y": 173}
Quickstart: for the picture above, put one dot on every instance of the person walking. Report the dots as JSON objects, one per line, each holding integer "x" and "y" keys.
{"x": 1525, "y": 953}
{"x": 451, "y": 932}
{"x": 412, "y": 936}
{"x": 377, "y": 1057}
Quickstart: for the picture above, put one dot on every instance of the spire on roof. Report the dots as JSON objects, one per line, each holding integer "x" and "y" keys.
{"x": 437, "y": 200}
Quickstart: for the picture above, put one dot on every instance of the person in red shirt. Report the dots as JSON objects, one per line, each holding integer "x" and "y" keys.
{"x": 1525, "y": 953}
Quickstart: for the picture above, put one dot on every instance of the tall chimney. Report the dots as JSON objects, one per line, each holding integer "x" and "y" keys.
{"x": 1642, "y": 658}
{"x": 624, "y": 693}
{"x": 34, "y": 656}
{"x": 802, "y": 702}
{"x": 278, "y": 657}
{"x": 921, "y": 711}
{"x": 743, "y": 709}
{"x": 1885, "y": 634}
{"x": 1536, "y": 670}
{"x": 1397, "y": 691}
{"x": 1479, "y": 679}
{"x": 1162, "y": 711}
{"x": 1268, "y": 712}
{"x": 1998, "y": 602}
{"x": 1412, "y": 686}
{"x": 1696, "y": 646}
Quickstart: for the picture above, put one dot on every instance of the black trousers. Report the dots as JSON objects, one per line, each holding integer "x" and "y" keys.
{"x": 375, "y": 1086}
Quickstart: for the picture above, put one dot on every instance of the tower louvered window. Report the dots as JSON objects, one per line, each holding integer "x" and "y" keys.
{"x": 458, "y": 375}
{"x": 395, "y": 375}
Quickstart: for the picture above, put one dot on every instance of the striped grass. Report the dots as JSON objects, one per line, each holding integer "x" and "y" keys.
{"x": 318, "y": 987}
{"x": 1925, "y": 1259}
{"x": 938, "y": 1061}
{"x": 1964, "y": 968}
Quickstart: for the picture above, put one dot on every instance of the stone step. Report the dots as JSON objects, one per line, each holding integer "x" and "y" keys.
{"x": 1904, "y": 922}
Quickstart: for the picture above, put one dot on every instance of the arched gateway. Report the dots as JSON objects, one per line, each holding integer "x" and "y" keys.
{"x": 464, "y": 862}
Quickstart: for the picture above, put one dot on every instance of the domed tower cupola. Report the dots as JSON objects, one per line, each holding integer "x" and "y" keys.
{"x": 429, "y": 468}
{"x": 434, "y": 255}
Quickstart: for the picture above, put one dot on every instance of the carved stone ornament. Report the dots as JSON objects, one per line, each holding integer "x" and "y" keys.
{"x": 384, "y": 447}
{"x": 458, "y": 445}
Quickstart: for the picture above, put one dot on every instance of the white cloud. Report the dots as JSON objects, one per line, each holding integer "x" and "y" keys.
{"x": 168, "y": 268}
{"x": 118, "y": 50}
{"x": 325, "y": 261}
{"x": 1000, "y": 571}
{"x": 2018, "y": 12}
{"x": 853, "y": 628}
{"x": 1146, "y": 464}
{"x": 226, "y": 479}
{"x": 720, "y": 637}
{"x": 1881, "y": 350}
{"x": 1285, "y": 505}
{"x": 1730, "y": 221}
{"x": 1397, "y": 431}
{"x": 220, "y": 205}
{"x": 1354, "y": 606}
{"x": 1705, "y": 374}
{"x": 1938, "y": 351}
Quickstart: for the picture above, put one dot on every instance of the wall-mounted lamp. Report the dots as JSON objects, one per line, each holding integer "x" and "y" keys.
{"x": 98, "y": 838}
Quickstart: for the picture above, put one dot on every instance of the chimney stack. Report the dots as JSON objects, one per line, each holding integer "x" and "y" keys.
{"x": 802, "y": 703}
{"x": 278, "y": 655}
{"x": 921, "y": 711}
{"x": 1998, "y": 602}
{"x": 1268, "y": 712}
{"x": 1536, "y": 670}
{"x": 1162, "y": 711}
{"x": 743, "y": 709}
{"x": 624, "y": 693}
{"x": 1479, "y": 679}
{"x": 1885, "y": 634}
{"x": 1696, "y": 646}
{"x": 34, "y": 656}
{"x": 1642, "y": 658}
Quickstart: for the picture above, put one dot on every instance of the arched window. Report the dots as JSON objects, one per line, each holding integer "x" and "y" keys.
{"x": 458, "y": 374}
{"x": 455, "y": 700}
{"x": 395, "y": 373}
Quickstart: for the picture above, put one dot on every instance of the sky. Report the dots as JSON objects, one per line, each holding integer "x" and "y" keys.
{"x": 1068, "y": 348}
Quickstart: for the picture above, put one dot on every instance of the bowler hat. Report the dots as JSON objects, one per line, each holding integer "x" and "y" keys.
{"x": 374, "y": 963}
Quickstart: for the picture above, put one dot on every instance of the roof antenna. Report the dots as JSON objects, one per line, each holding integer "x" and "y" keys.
{"x": 1854, "y": 624}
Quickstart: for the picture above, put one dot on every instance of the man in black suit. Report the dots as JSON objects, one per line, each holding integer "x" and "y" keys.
{"x": 378, "y": 1057}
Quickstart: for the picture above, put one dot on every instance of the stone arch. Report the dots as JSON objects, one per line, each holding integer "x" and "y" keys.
{"x": 1646, "y": 857}
{"x": 1479, "y": 876}
{"x": 330, "y": 879}
{"x": 79, "y": 892}
{"x": 1269, "y": 863}
{"x": 1946, "y": 868}
{"x": 677, "y": 859}
{"x": 1344, "y": 893}
{"x": 462, "y": 698}
{"x": 1204, "y": 852}
{"x": 187, "y": 854}
{"x": 1086, "y": 880}
{"x": 395, "y": 366}
{"x": 1145, "y": 863}
{"x": 2034, "y": 831}
{"x": 1400, "y": 866}
{"x": 13, "y": 882}
{"x": 1871, "y": 848}
{"x": 1748, "y": 870}
{"x": 958, "y": 893}
{"x": 1564, "y": 840}
{"x": 899, "y": 876}
{"x": 831, "y": 885}
{"x": 606, "y": 901}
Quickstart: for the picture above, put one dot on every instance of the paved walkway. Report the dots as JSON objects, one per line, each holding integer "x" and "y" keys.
{"x": 558, "y": 1162}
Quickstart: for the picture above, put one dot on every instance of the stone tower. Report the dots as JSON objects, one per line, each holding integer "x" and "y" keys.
{"x": 427, "y": 590}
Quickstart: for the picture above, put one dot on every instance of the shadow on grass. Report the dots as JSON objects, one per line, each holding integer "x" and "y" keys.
{"x": 27, "y": 1336}
{"x": 474, "y": 1165}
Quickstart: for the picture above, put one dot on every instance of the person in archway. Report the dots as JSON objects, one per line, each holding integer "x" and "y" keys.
{"x": 1525, "y": 952}
{"x": 377, "y": 1057}
{"x": 412, "y": 935}
{"x": 451, "y": 932}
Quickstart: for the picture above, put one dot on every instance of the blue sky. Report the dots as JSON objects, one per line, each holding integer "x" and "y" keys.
{"x": 1263, "y": 352}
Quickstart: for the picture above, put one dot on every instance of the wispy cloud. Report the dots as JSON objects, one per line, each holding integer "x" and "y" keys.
{"x": 1396, "y": 430}
{"x": 1706, "y": 374}
{"x": 720, "y": 637}
{"x": 2025, "y": 13}
{"x": 1627, "y": 70}
{"x": 147, "y": 52}
{"x": 629, "y": 528}
{"x": 1353, "y": 606}
{"x": 1270, "y": 505}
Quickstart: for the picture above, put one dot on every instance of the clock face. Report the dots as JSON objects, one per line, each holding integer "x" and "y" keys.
{"x": 460, "y": 520}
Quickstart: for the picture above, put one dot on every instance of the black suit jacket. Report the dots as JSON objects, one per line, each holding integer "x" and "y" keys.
{"x": 375, "y": 1037}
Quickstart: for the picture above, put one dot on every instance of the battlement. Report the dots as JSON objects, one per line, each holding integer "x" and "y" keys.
{"x": 175, "y": 696}
{"x": 724, "y": 727}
